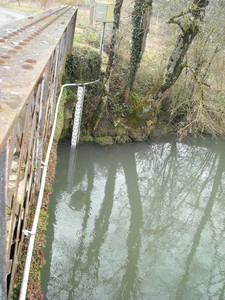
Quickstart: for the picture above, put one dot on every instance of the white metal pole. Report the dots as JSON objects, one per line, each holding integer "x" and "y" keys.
{"x": 102, "y": 38}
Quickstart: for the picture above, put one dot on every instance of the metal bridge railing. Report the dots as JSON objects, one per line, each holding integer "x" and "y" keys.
{"x": 32, "y": 57}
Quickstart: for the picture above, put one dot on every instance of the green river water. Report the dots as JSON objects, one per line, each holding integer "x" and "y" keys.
{"x": 137, "y": 221}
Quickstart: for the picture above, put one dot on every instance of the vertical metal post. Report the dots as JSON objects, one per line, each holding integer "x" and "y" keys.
{"x": 3, "y": 224}
{"x": 102, "y": 39}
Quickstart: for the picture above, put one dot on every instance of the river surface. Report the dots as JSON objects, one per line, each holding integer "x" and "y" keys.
{"x": 137, "y": 221}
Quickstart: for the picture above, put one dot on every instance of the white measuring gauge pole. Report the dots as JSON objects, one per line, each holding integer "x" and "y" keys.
{"x": 78, "y": 115}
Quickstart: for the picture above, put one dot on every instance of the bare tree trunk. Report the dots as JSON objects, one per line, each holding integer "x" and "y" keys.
{"x": 141, "y": 20}
{"x": 45, "y": 3}
{"x": 146, "y": 24}
{"x": 189, "y": 30}
{"x": 91, "y": 16}
{"x": 18, "y": 2}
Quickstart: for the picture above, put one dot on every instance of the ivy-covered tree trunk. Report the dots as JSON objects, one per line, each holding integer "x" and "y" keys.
{"x": 140, "y": 20}
{"x": 189, "y": 23}
{"x": 98, "y": 114}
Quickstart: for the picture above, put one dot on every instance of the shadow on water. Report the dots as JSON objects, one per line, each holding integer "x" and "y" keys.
{"x": 129, "y": 283}
{"x": 219, "y": 166}
{"x": 137, "y": 221}
{"x": 87, "y": 260}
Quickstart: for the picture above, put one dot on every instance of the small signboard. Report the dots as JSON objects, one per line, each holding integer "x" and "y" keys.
{"x": 104, "y": 12}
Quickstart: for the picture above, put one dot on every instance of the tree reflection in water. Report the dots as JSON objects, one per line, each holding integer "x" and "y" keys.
{"x": 138, "y": 221}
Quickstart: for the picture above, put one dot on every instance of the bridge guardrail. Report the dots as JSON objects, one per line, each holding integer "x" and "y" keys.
{"x": 32, "y": 56}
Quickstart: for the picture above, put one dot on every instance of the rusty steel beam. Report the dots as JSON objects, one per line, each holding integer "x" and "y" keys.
{"x": 32, "y": 57}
